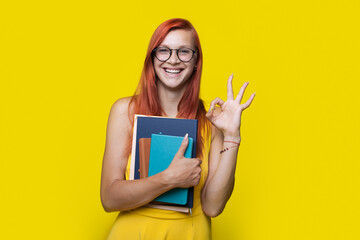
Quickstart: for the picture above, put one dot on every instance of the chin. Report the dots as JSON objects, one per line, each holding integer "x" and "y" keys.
{"x": 170, "y": 84}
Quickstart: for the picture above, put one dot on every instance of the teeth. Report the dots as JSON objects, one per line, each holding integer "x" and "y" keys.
{"x": 172, "y": 71}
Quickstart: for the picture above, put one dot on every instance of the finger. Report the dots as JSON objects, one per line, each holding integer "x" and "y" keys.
{"x": 197, "y": 180}
{"x": 230, "y": 93}
{"x": 183, "y": 146}
{"x": 217, "y": 101}
{"x": 248, "y": 102}
{"x": 210, "y": 116}
{"x": 241, "y": 92}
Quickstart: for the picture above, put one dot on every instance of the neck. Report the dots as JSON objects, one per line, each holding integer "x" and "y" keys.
{"x": 169, "y": 99}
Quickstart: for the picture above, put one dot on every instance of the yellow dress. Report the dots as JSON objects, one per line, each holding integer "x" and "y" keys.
{"x": 146, "y": 223}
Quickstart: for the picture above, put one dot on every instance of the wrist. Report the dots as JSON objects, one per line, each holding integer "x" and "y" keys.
{"x": 234, "y": 137}
{"x": 167, "y": 179}
{"x": 231, "y": 141}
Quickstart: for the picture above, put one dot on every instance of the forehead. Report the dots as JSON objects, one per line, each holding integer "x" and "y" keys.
{"x": 178, "y": 38}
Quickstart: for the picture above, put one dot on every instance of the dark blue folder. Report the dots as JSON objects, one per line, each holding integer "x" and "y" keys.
{"x": 147, "y": 125}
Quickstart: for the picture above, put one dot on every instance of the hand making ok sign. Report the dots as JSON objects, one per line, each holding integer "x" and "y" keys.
{"x": 227, "y": 117}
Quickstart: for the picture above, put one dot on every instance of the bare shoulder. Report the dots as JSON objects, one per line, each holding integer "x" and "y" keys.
{"x": 120, "y": 112}
{"x": 121, "y": 105}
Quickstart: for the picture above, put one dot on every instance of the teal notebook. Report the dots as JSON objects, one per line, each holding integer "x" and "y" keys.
{"x": 162, "y": 151}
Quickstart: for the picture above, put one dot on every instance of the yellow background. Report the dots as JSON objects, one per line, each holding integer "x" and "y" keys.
{"x": 64, "y": 63}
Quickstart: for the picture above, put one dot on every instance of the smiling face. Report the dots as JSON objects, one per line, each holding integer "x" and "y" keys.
{"x": 173, "y": 73}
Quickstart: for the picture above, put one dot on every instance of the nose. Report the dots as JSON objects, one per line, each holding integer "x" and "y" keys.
{"x": 173, "y": 57}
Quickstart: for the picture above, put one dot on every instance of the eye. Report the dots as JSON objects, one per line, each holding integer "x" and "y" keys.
{"x": 162, "y": 50}
{"x": 184, "y": 51}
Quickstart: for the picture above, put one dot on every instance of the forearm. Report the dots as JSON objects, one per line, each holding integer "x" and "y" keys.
{"x": 130, "y": 194}
{"x": 218, "y": 190}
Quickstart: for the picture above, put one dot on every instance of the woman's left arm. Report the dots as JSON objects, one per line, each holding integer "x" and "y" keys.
{"x": 226, "y": 121}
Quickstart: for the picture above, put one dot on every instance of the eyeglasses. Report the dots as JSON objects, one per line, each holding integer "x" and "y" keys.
{"x": 164, "y": 53}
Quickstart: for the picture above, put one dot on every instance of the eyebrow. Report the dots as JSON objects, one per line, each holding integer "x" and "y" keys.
{"x": 181, "y": 46}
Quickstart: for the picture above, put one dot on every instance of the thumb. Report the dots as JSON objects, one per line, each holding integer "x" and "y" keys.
{"x": 183, "y": 146}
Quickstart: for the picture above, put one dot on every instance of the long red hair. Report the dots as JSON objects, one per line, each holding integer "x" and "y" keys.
{"x": 146, "y": 100}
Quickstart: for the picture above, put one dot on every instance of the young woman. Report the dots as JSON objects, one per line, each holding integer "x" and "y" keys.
{"x": 169, "y": 86}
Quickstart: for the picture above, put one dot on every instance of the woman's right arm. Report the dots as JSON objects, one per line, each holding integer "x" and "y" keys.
{"x": 118, "y": 194}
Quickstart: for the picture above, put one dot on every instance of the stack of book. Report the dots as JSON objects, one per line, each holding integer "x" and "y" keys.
{"x": 156, "y": 140}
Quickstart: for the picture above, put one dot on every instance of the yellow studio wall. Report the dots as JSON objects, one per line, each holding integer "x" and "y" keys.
{"x": 64, "y": 63}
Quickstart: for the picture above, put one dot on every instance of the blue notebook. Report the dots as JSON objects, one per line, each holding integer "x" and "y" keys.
{"x": 162, "y": 151}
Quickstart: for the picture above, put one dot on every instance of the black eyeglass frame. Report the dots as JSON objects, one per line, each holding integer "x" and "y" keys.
{"x": 177, "y": 53}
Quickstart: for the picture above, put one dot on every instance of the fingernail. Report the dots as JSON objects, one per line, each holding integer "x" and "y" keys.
{"x": 186, "y": 136}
